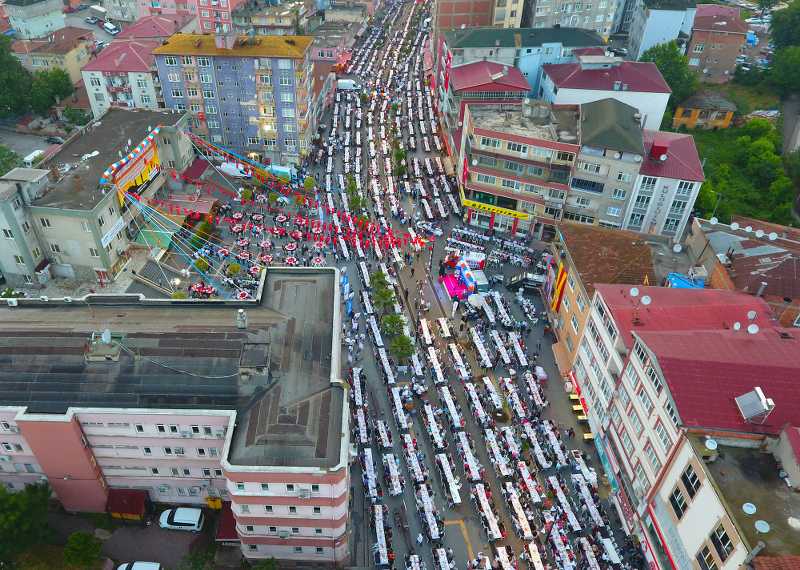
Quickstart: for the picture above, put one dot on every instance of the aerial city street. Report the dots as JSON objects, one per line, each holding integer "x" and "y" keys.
{"x": 399, "y": 284}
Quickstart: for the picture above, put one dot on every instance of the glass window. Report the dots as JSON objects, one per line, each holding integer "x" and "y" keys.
{"x": 678, "y": 502}
{"x": 690, "y": 481}
{"x": 705, "y": 559}
{"x": 636, "y": 423}
{"x": 627, "y": 443}
{"x": 663, "y": 436}
{"x": 646, "y": 401}
{"x": 652, "y": 456}
{"x": 722, "y": 542}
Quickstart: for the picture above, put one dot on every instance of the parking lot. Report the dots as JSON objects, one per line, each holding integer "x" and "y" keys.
{"x": 22, "y": 144}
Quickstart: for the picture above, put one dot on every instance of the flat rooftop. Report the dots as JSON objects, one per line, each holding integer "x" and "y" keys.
{"x": 543, "y": 122}
{"x": 751, "y": 476}
{"x": 331, "y": 34}
{"x": 79, "y": 188}
{"x": 276, "y": 373}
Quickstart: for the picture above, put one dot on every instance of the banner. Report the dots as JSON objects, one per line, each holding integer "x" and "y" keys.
{"x": 141, "y": 168}
{"x": 558, "y": 293}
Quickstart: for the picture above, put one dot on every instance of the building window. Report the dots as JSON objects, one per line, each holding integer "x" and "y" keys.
{"x": 516, "y": 147}
{"x": 170, "y": 60}
{"x": 583, "y": 201}
{"x": 290, "y": 487}
{"x": 614, "y": 211}
{"x": 45, "y": 223}
{"x": 722, "y": 542}
{"x": 698, "y": 47}
{"x": 618, "y": 194}
{"x": 654, "y": 379}
{"x": 640, "y": 352}
{"x": 636, "y": 423}
{"x": 663, "y": 436}
{"x": 8, "y": 234}
{"x": 490, "y": 142}
{"x": 295, "y": 530}
{"x": 240, "y": 486}
{"x": 690, "y": 481}
{"x": 627, "y": 443}
{"x": 268, "y": 508}
{"x": 574, "y": 323}
{"x": 317, "y": 510}
{"x": 245, "y": 508}
{"x": 203, "y": 62}
{"x": 93, "y": 252}
{"x": 252, "y": 547}
{"x": 147, "y": 451}
{"x": 705, "y": 559}
{"x": 590, "y": 167}
{"x": 298, "y": 548}
{"x": 644, "y": 397}
{"x": 206, "y": 472}
{"x": 320, "y": 550}
{"x": 293, "y": 510}
{"x": 672, "y": 415}
{"x": 685, "y": 188}
{"x": 678, "y": 502}
{"x": 655, "y": 462}
{"x": 265, "y": 486}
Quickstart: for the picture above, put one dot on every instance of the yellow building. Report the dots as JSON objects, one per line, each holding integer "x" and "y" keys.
{"x": 704, "y": 111}
{"x": 68, "y": 48}
{"x": 584, "y": 255}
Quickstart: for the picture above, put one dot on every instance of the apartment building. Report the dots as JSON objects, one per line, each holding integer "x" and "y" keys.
{"x": 121, "y": 12}
{"x": 215, "y": 16}
{"x": 667, "y": 186}
{"x": 68, "y": 48}
{"x": 655, "y": 365}
{"x": 265, "y": 19}
{"x": 480, "y": 82}
{"x": 123, "y": 75}
{"x": 704, "y": 110}
{"x": 653, "y": 22}
{"x": 584, "y": 255}
{"x": 68, "y": 219}
{"x": 593, "y": 78}
{"x": 251, "y": 410}
{"x": 715, "y": 44}
{"x": 251, "y": 94}
{"x": 515, "y": 165}
{"x": 596, "y": 16}
{"x": 157, "y": 27}
{"x": 612, "y": 150}
{"x": 167, "y": 8}
{"x": 526, "y": 49}
{"x": 32, "y": 19}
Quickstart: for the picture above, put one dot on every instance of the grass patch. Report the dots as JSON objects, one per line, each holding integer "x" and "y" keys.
{"x": 748, "y": 98}
{"x": 47, "y": 557}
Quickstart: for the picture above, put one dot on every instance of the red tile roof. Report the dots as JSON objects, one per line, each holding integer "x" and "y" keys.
{"x": 683, "y": 162}
{"x": 720, "y": 23}
{"x": 481, "y": 73}
{"x": 716, "y": 10}
{"x": 707, "y": 370}
{"x": 589, "y": 51}
{"x": 153, "y": 27}
{"x": 776, "y": 562}
{"x": 793, "y": 435}
{"x": 674, "y": 309}
{"x": 125, "y": 56}
{"x": 642, "y": 77}
{"x": 59, "y": 42}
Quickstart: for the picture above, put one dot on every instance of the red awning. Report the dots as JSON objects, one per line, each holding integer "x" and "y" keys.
{"x": 127, "y": 502}
{"x": 196, "y": 169}
{"x": 226, "y": 528}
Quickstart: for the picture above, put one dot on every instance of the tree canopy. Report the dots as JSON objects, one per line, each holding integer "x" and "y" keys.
{"x": 8, "y": 159}
{"x": 675, "y": 68}
{"x": 785, "y": 27}
{"x": 82, "y": 550}
{"x": 48, "y": 87}
{"x": 401, "y": 347}
{"x": 785, "y": 71}
{"x": 23, "y": 521}
{"x": 15, "y": 82}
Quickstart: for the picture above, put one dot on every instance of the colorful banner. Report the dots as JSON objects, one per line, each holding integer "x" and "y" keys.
{"x": 558, "y": 293}
{"x": 138, "y": 170}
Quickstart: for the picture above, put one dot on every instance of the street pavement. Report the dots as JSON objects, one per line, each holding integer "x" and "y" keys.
{"x": 21, "y": 143}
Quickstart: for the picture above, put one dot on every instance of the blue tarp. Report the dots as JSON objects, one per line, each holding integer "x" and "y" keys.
{"x": 680, "y": 281}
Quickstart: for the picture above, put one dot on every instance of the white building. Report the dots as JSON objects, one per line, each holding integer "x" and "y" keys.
{"x": 597, "y": 16}
{"x": 654, "y": 22}
{"x": 35, "y": 18}
{"x": 593, "y": 78}
{"x": 667, "y": 186}
{"x": 652, "y": 372}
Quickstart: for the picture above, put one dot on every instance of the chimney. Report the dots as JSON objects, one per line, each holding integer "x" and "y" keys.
{"x": 659, "y": 151}
{"x": 617, "y": 85}
{"x": 225, "y": 41}
{"x": 761, "y": 289}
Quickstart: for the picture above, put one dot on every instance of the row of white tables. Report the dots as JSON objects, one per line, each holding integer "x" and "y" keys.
{"x": 483, "y": 355}
{"x": 395, "y": 486}
{"x": 449, "y": 480}
{"x": 573, "y": 521}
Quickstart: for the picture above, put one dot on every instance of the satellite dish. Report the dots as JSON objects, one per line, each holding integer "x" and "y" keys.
{"x": 748, "y": 229}
{"x": 749, "y": 508}
{"x": 646, "y": 300}
{"x": 752, "y": 315}
{"x": 474, "y": 162}
{"x": 106, "y": 336}
{"x": 634, "y": 291}
{"x": 711, "y": 444}
{"x": 735, "y": 226}
{"x": 752, "y": 328}
{"x": 794, "y": 522}
{"x": 762, "y": 526}
{"x": 737, "y": 326}
{"x": 713, "y": 221}
{"x": 772, "y": 236}
{"x": 677, "y": 248}
{"x": 759, "y": 233}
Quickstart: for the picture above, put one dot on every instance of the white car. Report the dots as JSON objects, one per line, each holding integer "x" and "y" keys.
{"x": 182, "y": 518}
{"x": 140, "y": 566}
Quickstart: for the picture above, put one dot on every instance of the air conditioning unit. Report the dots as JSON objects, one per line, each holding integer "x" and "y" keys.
{"x": 283, "y": 534}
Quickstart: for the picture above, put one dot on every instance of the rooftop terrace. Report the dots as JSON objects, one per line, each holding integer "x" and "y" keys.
{"x": 543, "y": 122}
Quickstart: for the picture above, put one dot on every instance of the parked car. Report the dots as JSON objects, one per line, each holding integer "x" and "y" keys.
{"x": 525, "y": 281}
{"x": 91, "y": 20}
{"x": 140, "y": 566}
{"x": 54, "y": 140}
{"x": 182, "y": 518}
{"x": 620, "y": 51}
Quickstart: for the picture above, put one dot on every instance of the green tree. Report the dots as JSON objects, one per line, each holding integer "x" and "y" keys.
{"x": 675, "y": 68}
{"x": 23, "y": 519}
{"x": 234, "y": 269}
{"x": 383, "y": 298}
{"x": 785, "y": 71}
{"x": 378, "y": 280}
{"x": 202, "y": 233}
{"x": 392, "y": 324}
{"x": 792, "y": 161}
{"x": 309, "y": 183}
{"x": 785, "y": 26}
{"x": 201, "y": 265}
{"x": 82, "y": 550}
{"x": 49, "y": 87}
{"x": 75, "y": 116}
{"x": 8, "y": 159}
{"x": 15, "y": 82}
{"x": 401, "y": 347}
{"x": 765, "y": 5}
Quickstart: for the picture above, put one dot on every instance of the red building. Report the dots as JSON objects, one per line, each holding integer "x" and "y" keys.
{"x": 716, "y": 42}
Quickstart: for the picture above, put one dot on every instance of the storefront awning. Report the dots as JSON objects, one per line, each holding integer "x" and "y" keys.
{"x": 127, "y": 503}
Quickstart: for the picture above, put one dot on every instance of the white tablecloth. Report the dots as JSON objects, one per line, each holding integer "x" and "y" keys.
{"x": 471, "y": 465}
{"x": 412, "y": 460}
{"x": 517, "y": 346}
{"x": 518, "y": 511}
{"x": 433, "y": 427}
{"x": 565, "y": 504}
{"x": 483, "y": 356}
{"x": 501, "y": 347}
{"x": 380, "y": 533}
{"x": 449, "y": 478}
{"x": 390, "y": 461}
{"x": 456, "y": 421}
{"x": 498, "y": 460}
{"x": 398, "y": 411}
{"x": 369, "y": 470}
{"x": 488, "y": 514}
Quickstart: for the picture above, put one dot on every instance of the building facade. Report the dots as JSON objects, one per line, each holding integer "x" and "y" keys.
{"x": 593, "y": 78}
{"x": 180, "y": 8}
{"x": 33, "y": 19}
{"x": 596, "y": 16}
{"x": 123, "y": 76}
{"x": 666, "y": 187}
{"x": 526, "y": 49}
{"x": 215, "y": 16}
{"x": 68, "y": 49}
{"x": 121, "y": 11}
{"x": 608, "y": 164}
{"x": 286, "y": 19}
{"x": 194, "y": 444}
{"x": 654, "y": 22}
{"x": 253, "y": 95}
{"x": 704, "y": 111}
{"x": 515, "y": 164}
{"x": 715, "y": 44}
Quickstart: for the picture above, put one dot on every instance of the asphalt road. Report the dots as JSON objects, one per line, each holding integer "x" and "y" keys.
{"x": 22, "y": 144}
{"x": 77, "y": 20}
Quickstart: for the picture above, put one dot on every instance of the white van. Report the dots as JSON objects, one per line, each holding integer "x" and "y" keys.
{"x": 111, "y": 28}
{"x": 32, "y": 158}
{"x": 182, "y": 518}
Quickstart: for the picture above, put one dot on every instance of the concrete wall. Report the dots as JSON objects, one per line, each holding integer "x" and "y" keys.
{"x": 652, "y": 27}
{"x": 598, "y": 16}
{"x": 36, "y": 20}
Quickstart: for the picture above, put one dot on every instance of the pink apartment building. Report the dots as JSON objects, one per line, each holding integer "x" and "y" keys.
{"x": 187, "y": 403}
